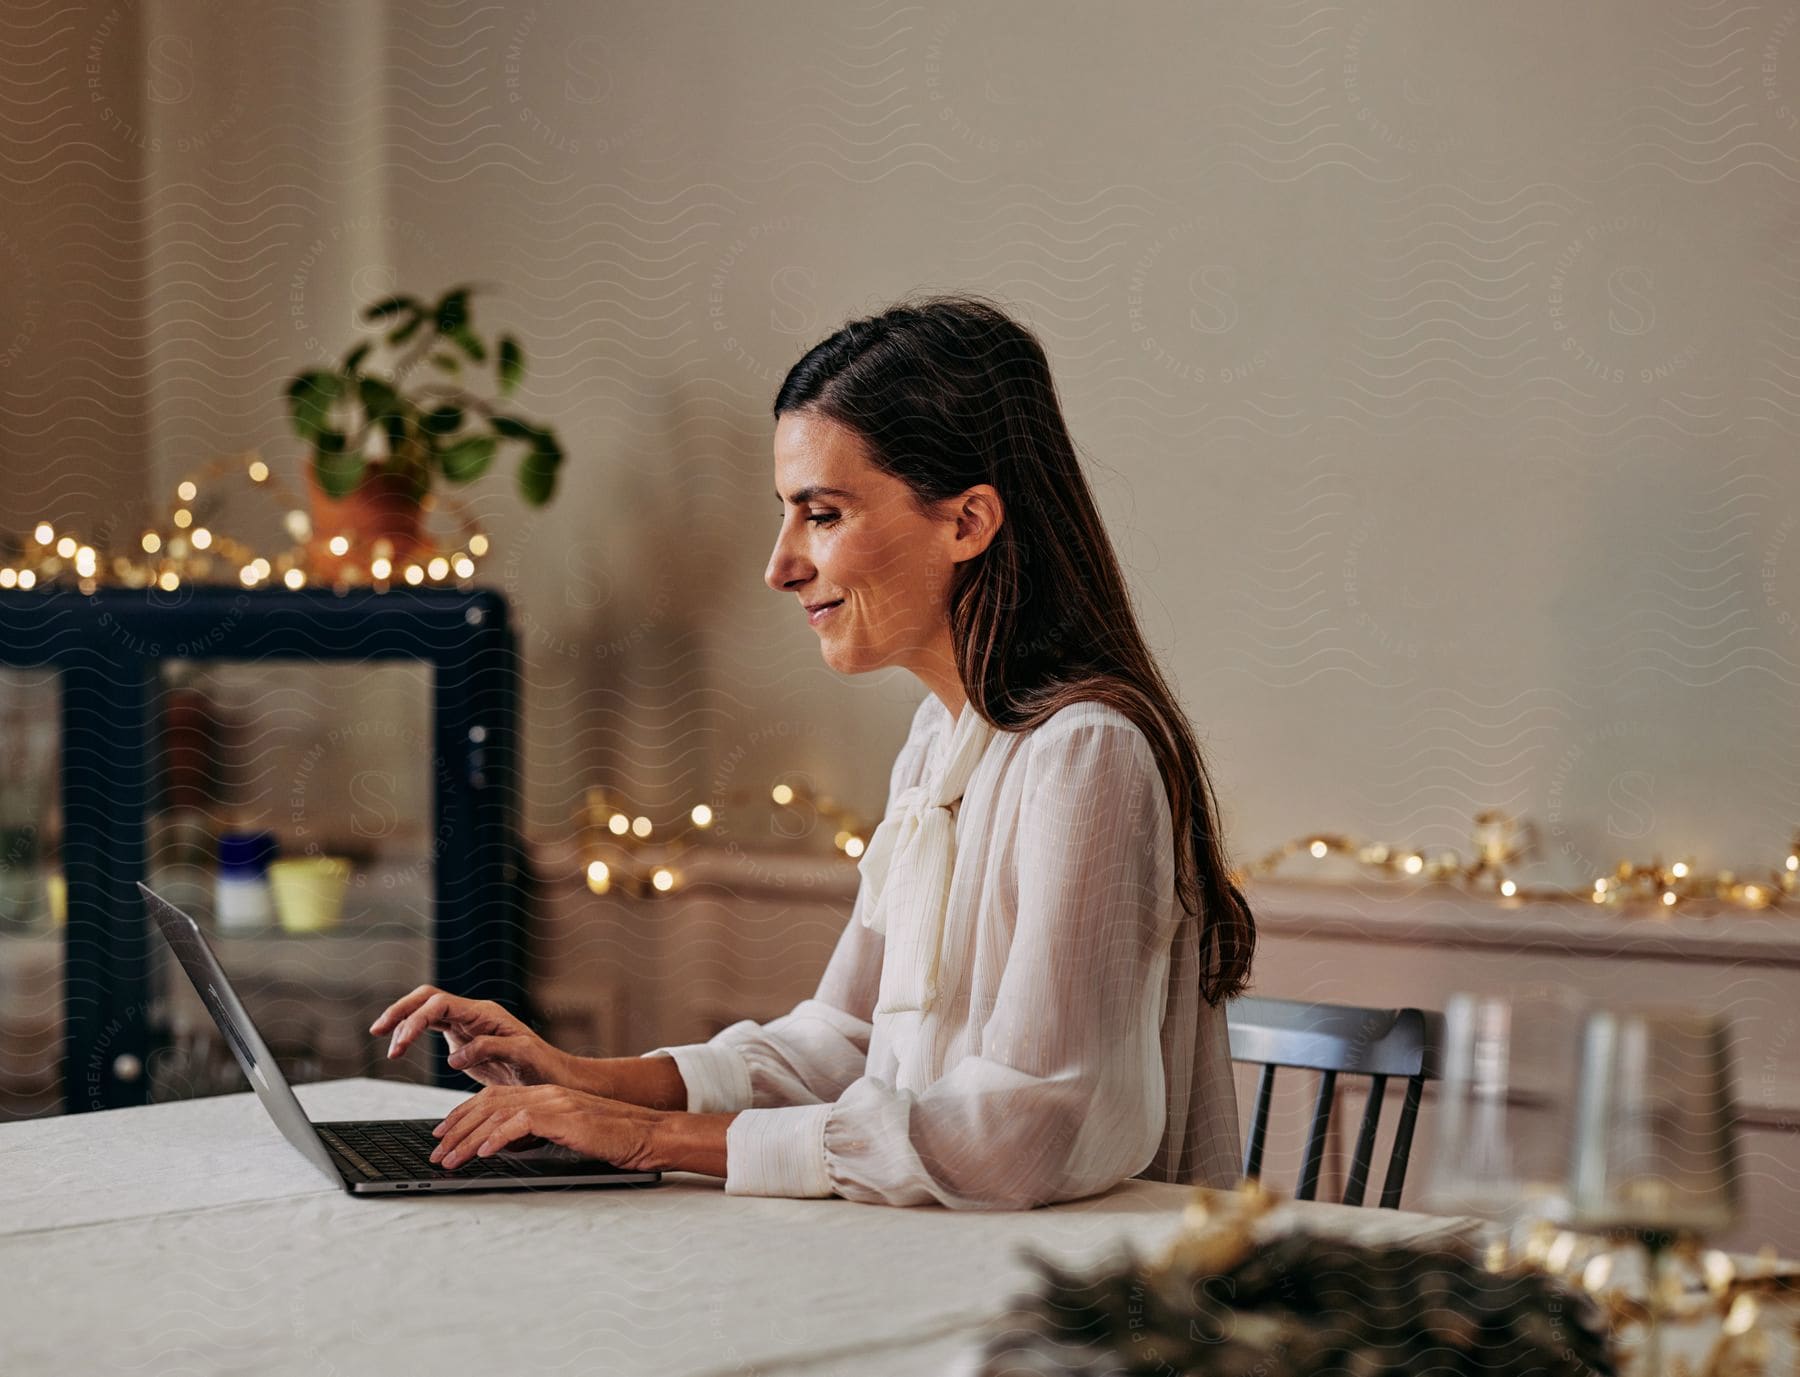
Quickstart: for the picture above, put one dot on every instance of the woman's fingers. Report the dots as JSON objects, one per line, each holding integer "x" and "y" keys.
{"x": 500, "y": 1132}
{"x": 486, "y": 1122}
{"x": 435, "y": 1011}
{"x": 466, "y": 1117}
{"x": 487, "y": 1047}
{"x": 401, "y": 1007}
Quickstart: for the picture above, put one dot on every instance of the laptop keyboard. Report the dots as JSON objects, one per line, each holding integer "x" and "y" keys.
{"x": 401, "y": 1149}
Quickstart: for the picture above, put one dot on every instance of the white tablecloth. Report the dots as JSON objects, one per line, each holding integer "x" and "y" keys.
{"x": 191, "y": 1238}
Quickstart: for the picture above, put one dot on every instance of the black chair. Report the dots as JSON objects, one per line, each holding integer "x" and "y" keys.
{"x": 1329, "y": 1039}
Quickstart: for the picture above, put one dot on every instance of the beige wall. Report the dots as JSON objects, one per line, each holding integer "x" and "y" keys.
{"x": 1438, "y": 366}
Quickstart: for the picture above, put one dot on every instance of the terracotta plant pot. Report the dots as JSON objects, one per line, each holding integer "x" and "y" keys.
{"x": 381, "y": 508}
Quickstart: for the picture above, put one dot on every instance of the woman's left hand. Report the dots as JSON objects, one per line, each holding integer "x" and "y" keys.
{"x": 592, "y": 1125}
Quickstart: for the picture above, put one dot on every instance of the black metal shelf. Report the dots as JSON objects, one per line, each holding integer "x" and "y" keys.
{"x": 106, "y": 647}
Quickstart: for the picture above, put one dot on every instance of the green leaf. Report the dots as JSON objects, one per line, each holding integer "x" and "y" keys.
{"x": 379, "y": 398}
{"x": 453, "y": 310}
{"x": 513, "y": 429}
{"x": 511, "y": 368}
{"x": 309, "y": 401}
{"x": 537, "y": 474}
{"x": 336, "y": 472}
{"x": 468, "y": 459}
{"x": 446, "y": 420}
{"x": 353, "y": 360}
{"x": 392, "y": 305}
{"x": 395, "y": 425}
{"x": 471, "y": 345}
{"x": 447, "y": 361}
{"x": 406, "y": 331}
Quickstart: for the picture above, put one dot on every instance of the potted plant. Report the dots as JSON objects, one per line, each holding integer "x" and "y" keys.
{"x": 380, "y": 439}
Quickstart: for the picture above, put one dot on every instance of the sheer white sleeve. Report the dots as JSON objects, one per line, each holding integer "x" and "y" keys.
{"x": 1066, "y": 1096}
{"x": 804, "y": 1057}
{"x": 810, "y": 1055}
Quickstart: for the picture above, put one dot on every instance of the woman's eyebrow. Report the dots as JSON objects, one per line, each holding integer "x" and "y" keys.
{"x": 806, "y": 495}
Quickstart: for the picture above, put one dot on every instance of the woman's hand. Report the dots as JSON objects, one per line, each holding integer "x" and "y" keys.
{"x": 611, "y": 1130}
{"x": 488, "y": 1043}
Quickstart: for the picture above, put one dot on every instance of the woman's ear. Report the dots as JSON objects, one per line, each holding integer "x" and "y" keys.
{"x": 979, "y": 514}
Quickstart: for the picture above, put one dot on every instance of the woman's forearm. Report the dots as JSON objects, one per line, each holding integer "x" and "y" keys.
{"x": 654, "y": 1082}
{"x": 690, "y": 1142}
{"x": 679, "y": 1141}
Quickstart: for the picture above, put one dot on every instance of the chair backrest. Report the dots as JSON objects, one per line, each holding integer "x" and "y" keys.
{"x": 1333, "y": 1039}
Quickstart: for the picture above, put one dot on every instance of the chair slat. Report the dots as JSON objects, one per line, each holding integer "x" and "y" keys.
{"x": 1357, "y": 1185}
{"x": 1315, "y": 1137}
{"x": 1259, "y": 1126}
{"x": 1403, "y": 1135}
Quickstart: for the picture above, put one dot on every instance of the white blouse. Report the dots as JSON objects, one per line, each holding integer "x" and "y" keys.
{"x": 1071, "y": 1048}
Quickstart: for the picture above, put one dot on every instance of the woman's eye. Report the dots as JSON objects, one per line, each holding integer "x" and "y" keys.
{"x": 823, "y": 516}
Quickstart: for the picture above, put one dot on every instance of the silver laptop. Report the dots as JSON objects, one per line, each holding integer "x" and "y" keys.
{"x": 369, "y": 1156}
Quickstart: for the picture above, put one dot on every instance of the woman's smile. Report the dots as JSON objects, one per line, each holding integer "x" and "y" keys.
{"x": 824, "y": 610}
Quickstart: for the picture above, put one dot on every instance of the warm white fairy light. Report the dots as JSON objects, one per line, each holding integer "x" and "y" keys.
{"x": 168, "y": 581}
{"x": 618, "y": 824}
{"x": 1319, "y": 849}
{"x": 663, "y": 878}
{"x": 702, "y": 815}
{"x": 169, "y": 552}
{"x": 294, "y": 578}
{"x": 599, "y": 876}
{"x": 84, "y": 561}
{"x": 854, "y": 847}
{"x": 9, "y": 577}
{"x": 782, "y": 793}
{"x": 414, "y": 575}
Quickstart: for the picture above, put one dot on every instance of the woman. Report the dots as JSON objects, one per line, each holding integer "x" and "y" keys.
{"x": 1027, "y": 1004}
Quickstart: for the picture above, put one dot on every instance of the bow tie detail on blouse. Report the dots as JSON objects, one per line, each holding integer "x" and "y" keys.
{"x": 907, "y": 868}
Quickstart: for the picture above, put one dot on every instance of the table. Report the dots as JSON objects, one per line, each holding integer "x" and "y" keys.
{"x": 190, "y": 1237}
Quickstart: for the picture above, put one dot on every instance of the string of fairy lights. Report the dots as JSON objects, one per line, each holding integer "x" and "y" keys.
{"x": 184, "y": 545}
{"x": 625, "y": 849}
{"x": 1501, "y": 841}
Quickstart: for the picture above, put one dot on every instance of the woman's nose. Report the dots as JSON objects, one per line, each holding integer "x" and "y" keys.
{"x": 787, "y": 568}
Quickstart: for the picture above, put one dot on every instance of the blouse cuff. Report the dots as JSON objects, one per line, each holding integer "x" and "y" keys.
{"x": 717, "y": 1078}
{"x": 778, "y": 1151}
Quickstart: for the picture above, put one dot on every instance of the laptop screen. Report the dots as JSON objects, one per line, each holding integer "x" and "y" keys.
{"x": 185, "y": 939}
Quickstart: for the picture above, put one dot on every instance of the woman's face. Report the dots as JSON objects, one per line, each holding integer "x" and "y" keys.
{"x": 851, "y": 536}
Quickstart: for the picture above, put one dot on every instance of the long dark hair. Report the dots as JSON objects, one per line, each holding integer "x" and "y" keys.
{"x": 948, "y": 392}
